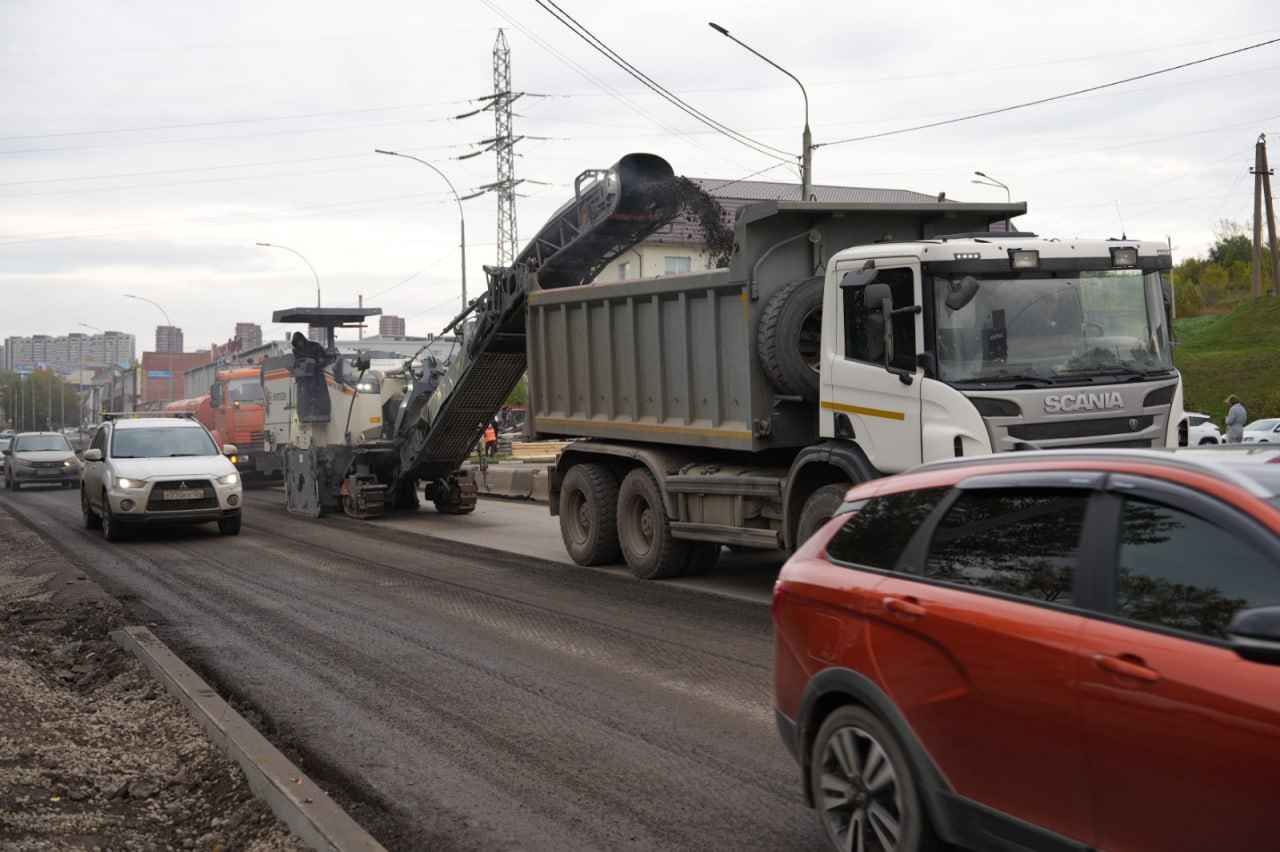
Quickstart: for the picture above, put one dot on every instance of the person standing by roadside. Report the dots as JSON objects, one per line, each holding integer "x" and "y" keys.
{"x": 1236, "y": 417}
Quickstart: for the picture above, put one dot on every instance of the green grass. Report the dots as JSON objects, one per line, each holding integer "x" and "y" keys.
{"x": 1237, "y": 352}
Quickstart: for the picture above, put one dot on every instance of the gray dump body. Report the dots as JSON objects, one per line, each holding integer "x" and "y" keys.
{"x": 674, "y": 360}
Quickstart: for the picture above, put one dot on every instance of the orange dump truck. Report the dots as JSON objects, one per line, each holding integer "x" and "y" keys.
{"x": 233, "y": 412}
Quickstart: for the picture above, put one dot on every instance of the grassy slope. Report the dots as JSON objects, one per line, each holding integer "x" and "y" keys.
{"x": 1235, "y": 353}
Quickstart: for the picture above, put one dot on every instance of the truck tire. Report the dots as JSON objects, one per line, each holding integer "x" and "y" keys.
{"x": 644, "y": 531}
{"x": 818, "y": 509}
{"x": 703, "y": 556}
{"x": 589, "y": 514}
{"x": 789, "y": 342}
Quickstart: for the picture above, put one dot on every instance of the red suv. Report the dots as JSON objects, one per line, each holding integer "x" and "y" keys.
{"x": 1049, "y": 650}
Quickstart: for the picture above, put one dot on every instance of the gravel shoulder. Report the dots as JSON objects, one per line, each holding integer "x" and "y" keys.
{"x": 94, "y": 754}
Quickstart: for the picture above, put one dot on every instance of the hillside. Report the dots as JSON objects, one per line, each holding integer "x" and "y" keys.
{"x": 1238, "y": 353}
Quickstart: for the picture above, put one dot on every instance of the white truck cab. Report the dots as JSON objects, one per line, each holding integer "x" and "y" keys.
{"x": 984, "y": 343}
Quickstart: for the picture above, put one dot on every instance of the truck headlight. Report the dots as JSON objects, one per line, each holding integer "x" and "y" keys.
{"x": 229, "y": 479}
{"x": 126, "y": 482}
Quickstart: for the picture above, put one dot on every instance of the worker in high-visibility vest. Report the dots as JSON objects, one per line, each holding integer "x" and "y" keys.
{"x": 491, "y": 441}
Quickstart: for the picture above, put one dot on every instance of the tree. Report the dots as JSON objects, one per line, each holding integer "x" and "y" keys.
{"x": 1234, "y": 245}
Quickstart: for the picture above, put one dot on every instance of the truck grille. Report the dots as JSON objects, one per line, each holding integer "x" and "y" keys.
{"x": 1083, "y": 428}
{"x": 156, "y": 502}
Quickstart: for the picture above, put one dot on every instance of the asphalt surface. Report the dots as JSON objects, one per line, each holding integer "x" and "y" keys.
{"x": 456, "y": 696}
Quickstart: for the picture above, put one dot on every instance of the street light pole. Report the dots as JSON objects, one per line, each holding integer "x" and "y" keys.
{"x": 304, "y": 260}
{"x": 171, "y": 330}
{"x": 1008, "y": 197}
{"x": 83, "y": 360}
{"x": 806, "y": 140}
{"x": 462, "y": 222}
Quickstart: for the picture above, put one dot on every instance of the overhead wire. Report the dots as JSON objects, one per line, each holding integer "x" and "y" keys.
{"x": 1040, "y": 101}
{"x": 597, "y": 44}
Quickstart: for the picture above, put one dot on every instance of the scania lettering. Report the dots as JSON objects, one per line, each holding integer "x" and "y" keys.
{"x": 1083, "y": 402}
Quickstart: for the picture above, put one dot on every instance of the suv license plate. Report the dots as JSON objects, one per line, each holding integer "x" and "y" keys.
{"x": 190, "y": 494}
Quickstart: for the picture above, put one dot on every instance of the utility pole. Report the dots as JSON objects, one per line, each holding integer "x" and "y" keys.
{"x": 1261, "y": 195}
{"x": 503, "y": 145}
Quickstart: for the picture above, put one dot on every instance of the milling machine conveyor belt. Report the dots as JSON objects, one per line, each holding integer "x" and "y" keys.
{"x": 612, "y": 210}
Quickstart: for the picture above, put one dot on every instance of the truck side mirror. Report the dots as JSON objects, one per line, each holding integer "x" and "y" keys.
{"x": 215, "y": 395}
{"x": 877, "y": 301}
{"x": 961, "y": 293}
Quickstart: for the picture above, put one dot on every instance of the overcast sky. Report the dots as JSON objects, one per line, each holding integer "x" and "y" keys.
{"x": 146, "y": 147}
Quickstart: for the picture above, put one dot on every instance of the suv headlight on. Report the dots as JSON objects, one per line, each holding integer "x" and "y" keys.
{"x": 229, "y": 479}
{"x": 126, "y": 482}
{"x": 71, "y": 464}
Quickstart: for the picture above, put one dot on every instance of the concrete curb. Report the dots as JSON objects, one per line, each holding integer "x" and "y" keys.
{"x": 306, "y": 809}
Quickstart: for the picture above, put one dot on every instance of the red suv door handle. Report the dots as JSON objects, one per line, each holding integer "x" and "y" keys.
{"x": 1126, "y": 665}
{"x": 902, "y": 607}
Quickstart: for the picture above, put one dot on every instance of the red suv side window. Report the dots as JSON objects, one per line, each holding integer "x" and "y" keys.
{"x": 1018, "y": 542}
{"x": 1180, "y": 571}
{"x": 875, "y": 535}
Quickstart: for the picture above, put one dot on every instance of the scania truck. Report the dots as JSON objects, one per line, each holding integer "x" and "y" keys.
{"x": 843, "y": 342}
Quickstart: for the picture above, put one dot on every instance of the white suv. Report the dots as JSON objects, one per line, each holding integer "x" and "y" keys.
{"x": 156, "y": 470}
{"x": 1202, "y": 430}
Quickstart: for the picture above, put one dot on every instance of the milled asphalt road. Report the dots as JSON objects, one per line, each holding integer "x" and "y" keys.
{"x": 461, "y": 697}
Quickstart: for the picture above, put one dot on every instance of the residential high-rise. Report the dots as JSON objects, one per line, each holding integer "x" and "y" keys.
{"x": 67, "y": 352}
{"x": 388, "y": 324}
{"x": 249, "y": 334}
{"x": 168, "y": 338}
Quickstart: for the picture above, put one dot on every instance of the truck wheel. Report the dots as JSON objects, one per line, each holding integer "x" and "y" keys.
{"x": 789, "y": 342}
{"x": 703, "y": 556}
{"x": 644, "y": 532}
{"x": 589, "y": 514}
{"x": 818, "y": 509}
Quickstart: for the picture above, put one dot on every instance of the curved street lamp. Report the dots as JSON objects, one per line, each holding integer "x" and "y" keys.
{"x": 806, "y": 140}
{"x": 304, "y": 260}
{"x": 990, "y": 181}
{"x": 171, "y": 330}
{"x": 462, "y": 222}
{"x": 83, "y": 360}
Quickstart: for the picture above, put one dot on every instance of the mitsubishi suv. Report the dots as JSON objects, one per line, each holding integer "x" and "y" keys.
{"x": 158, "y": 470}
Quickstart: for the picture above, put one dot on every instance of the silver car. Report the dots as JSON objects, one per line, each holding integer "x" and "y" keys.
{"x": 44, "y": 457}
{"x": 158, "y": 470}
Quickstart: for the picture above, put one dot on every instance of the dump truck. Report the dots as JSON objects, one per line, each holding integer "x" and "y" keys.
{"x": 844, "y": 341}
{"x": 233, "y": 412}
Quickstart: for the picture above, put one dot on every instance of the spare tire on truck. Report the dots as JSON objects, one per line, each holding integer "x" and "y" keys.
{"x": 789, "y": 341}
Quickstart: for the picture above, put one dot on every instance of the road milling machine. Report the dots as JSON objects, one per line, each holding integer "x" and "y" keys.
{"x": 361, "y": 439}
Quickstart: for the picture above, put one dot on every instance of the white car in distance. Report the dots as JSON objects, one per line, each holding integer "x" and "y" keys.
{"x": 1202, "y": 430}
{"x": 1263, "y": 431}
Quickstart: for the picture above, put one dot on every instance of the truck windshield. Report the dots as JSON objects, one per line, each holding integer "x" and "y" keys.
{"x": 1062, "y": 329}
{"x": 245, "y": 391}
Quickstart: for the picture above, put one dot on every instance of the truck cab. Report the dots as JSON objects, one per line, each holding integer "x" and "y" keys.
{"x": 987, "y": 343}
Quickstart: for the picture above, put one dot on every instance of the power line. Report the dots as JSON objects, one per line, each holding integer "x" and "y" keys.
{"x": 591, "y": 39}
{"x": 1048, "y": 99}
